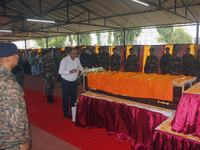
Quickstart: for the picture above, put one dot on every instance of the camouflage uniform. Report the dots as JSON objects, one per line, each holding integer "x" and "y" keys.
{"x": 93, "y": 61}
{"x": 175, "y": 66}
{"x": 84, "y": 58}
{"x": 187, "y": 64}
{"x": 164, "y": 62}
{"x": 48, "y": 72}
{"x": 115, "y": 62}
{"x": 104, "y": 60}
{"x": 14, "y": 125}
{"x": 18, "y": 71}
{"x": 196, "y": 65}
{"x": 151, "y": 65}
{"x": 131, "y": 64}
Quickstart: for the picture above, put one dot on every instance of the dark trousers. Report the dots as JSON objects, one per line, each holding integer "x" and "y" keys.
{"x": 69, "y": 90}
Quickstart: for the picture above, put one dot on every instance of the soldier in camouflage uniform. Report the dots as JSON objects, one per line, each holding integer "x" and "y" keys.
{"x": 164, "y": 61}
{"x": 131, "y": 64}
{"x": 93, "y": 59}
{"x": 175, "y": 64}
{"x": 151, "y": 65}
{"x": 48, "y": 73}
{"x": 104, "y": 59}
{"x": 115, "y": 60}
{"x": 14, "y": 124}
{"x": 187, "y": 62}
{"x": 18, "y": 71}
{"x": 84, "y": 58}
{"x": 196, "y": 66}
{"x": 100, "y": 52}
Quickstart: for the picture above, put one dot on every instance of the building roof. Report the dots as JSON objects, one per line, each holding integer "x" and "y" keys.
{"x": 81, "y": 16}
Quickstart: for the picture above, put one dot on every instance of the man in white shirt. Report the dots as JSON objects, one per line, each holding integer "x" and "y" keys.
{"x": 69, "y": 68}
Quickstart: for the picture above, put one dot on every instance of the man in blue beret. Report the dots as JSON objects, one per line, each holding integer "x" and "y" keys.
{"x": 14, "y": 132}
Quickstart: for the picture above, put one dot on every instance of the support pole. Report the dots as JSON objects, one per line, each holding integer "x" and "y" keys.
{"x": 46, "y": 41}
{"x": 25, "y": 44}
{"x": 197, "y": 36}
{"x": 40, "y": 8}
{"x": 124, "y": 37}
{"x": 78, "y": 40}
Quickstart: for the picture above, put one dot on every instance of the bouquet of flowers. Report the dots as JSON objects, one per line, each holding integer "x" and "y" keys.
{"x": 96, "y": 70}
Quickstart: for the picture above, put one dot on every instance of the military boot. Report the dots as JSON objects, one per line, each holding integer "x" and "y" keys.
{"x": 52, "y": 100}
{"x": 49, "y": 99}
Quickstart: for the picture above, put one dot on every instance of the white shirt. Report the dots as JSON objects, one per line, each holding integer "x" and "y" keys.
{"x": 66, "y": 65}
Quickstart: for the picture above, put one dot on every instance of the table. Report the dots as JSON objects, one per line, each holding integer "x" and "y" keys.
{"x": 127, "y": 120}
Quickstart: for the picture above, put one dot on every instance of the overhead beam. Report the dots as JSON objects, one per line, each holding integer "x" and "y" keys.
{"x": 28, "y": 7}
{"x": 175, "y": 6}
{"x": 40, "y": 7}
{"x": 4, "y": 5}
{"x": 77, "y": 15}
{"x": 67, "y": 10}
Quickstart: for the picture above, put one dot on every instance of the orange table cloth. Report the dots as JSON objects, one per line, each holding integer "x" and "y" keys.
{"x": 133, "y": 87}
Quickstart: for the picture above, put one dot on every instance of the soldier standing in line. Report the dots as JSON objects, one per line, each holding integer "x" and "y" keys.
{"x": 84, "y": 58}
{"x": 48, "y": 73}
{"x": 14, "y": 124}
{"x": 93, "y": 60}
{"x": 151, "y": 65}
{"x": 32, "y": 62}
{"x": 187, "y": 62}
{"x": 164, "y": 61}
{"x": 131, "y": 64}
{"x": 99, "y": 54}
{"x": 196, "y": 66}
{"x": 115, "y": 60}
{"x": 18, "y": 71}
{"x": 175, "y": 64}
{"x": 104, "y": 59}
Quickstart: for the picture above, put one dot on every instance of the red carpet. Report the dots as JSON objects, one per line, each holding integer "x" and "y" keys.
{"x": 49, "y": 117}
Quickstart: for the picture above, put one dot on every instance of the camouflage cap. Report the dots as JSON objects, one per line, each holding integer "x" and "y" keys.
{"x": 152, "y": 49}
{"x": 7, "y": 49}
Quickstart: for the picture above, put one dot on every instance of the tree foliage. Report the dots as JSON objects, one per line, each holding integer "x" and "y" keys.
{"x": 173, "y": 36}
{"x": 85, "y": 39}
{"x": 70, "y": 39}
{"x": 41, "y": 42}
{"x": 98, "y": 38}
{"x": 131, "y": 36}
{"x": 57, "y": 42}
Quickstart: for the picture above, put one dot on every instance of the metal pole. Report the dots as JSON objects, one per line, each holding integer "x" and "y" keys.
{"x": 197, "y": 36}
{"x": 25, "y": 44}
{"x": 46, "y": 41}
{"x": 78, "y": 39}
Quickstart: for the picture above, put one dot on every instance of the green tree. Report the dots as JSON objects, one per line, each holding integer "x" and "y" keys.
{"x": 165, "y": 34}
{"x": 98, "y": 38}
{"x": 41, "y": 42}
{"x": 109, "y": 38}
{"x": 180, "y": 36}
{"x": 118, "y": 38}
{"x": 131, "y": 35}
{"x": 85, "y": 39}
{"x": 57, "y": 42}
{"x": 174, "y": 36}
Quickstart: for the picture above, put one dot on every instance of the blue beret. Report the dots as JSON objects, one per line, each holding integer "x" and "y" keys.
{"x": 7, "y": 49}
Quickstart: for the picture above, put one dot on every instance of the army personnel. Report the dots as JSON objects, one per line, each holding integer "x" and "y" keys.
{"x": 18, "y": 71}
{"x": 84, "y": 58}
{"x": 115, "y": 60}
{"x": 63, "y": 54}
{"x": 196, "y": 66}
{"x": 93, "y": 59}
{"x": 14, "y": 125}
{"x": 48, "y": 73}
{"x": 151, "y": 65}
{"x": 104, "y": 59}
{"x": 175, "y": 64}
{"x": 187, "y": 62}
{"x": 164, "y": 61}
{"x": 131, "y": 64}
{"x": 100, "y": 51}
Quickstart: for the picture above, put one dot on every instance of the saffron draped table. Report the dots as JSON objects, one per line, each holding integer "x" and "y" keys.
{"x": 187, "y": 117}
{"x": 119, "y": 117}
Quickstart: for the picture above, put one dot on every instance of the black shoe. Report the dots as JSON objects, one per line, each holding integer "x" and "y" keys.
{"x": 52, "y": 99}
{"x": 49, "y": 99}
{"x": 68, "y": 116}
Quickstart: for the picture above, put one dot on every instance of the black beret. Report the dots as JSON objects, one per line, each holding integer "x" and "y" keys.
{"x": 198, "y": 51}
{"x": 152, "y": 49}
{"x": 7, "y": 49}
{"x": 175, "y": 49}
{"x": 187, "y": 48}
{"x": 131, "y": 49}
{"x": 114, "y": 48}
{"x": 167, "y": 48}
